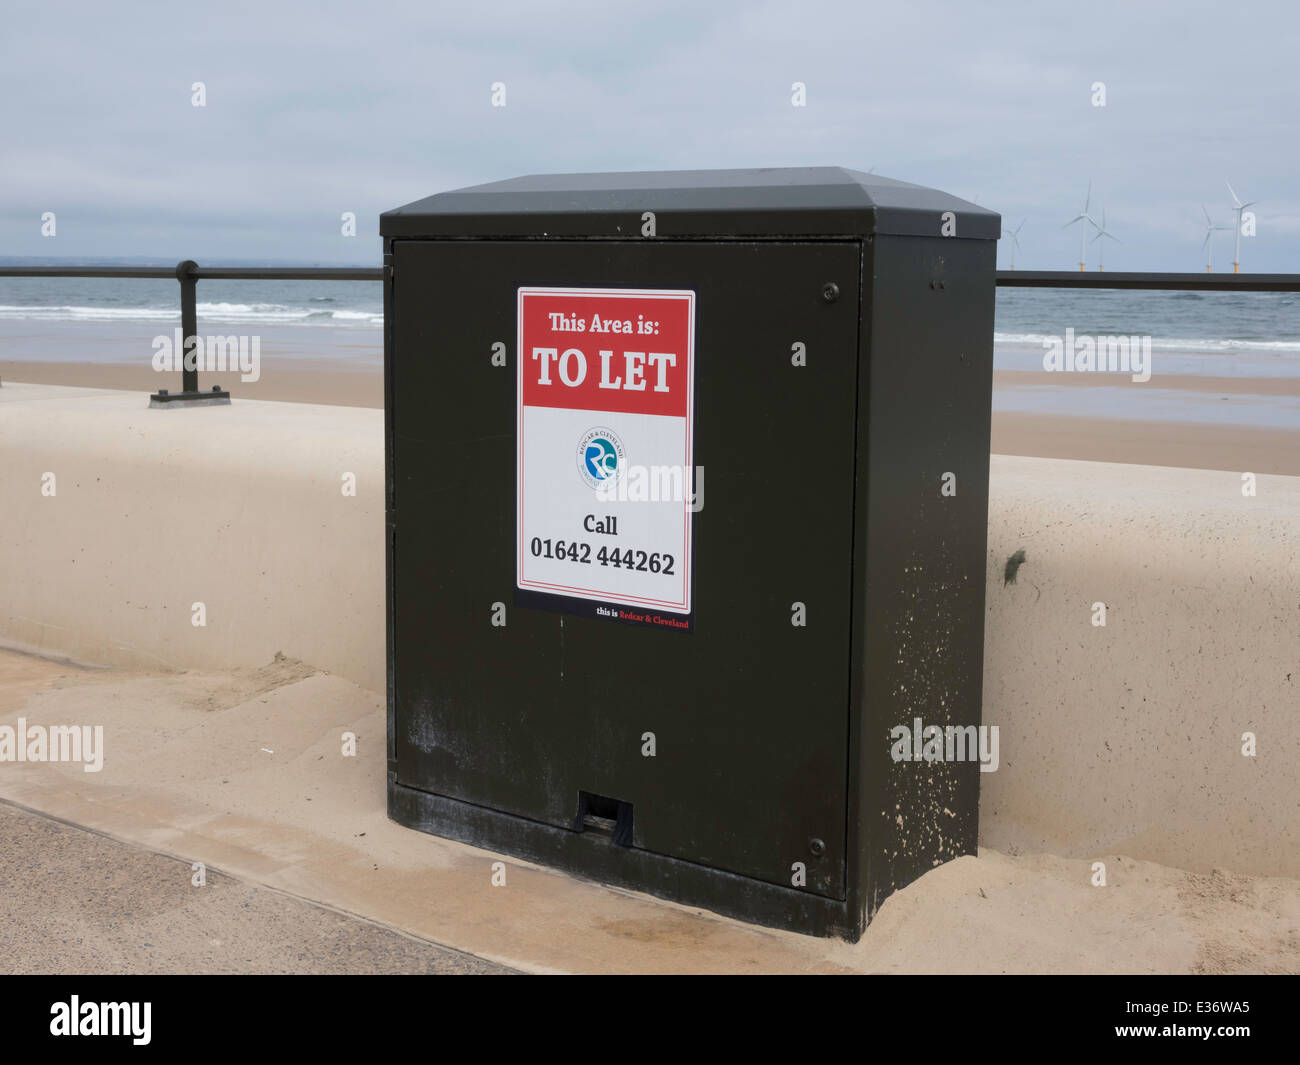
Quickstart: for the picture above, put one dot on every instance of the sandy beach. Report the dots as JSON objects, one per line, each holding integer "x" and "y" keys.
{"x": 1188, "y": 444}
{"x": 338, "y": 367}
{"x": 333, "y": 383}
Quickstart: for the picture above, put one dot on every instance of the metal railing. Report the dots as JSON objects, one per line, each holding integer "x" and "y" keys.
{"x": 189, "y": 273}
{"x": 1166, "y": 282}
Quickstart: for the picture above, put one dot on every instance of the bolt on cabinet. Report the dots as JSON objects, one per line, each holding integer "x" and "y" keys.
{"x": 670, "y": 551}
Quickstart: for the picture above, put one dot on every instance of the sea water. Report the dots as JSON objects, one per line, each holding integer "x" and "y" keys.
{"x": 1201, "y": 334}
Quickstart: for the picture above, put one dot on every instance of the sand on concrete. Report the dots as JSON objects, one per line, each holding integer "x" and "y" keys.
{"x": 1126, "y": 736}
{"x": 118, "y": 519}
{"x": 1204, "y": 631}
{"x": 248, "y": 775}
{"x": 1129, "y": 735}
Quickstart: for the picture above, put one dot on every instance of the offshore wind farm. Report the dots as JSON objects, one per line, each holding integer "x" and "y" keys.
{"x": 1083, "y": 220}
{"x": 1243, "y": 222}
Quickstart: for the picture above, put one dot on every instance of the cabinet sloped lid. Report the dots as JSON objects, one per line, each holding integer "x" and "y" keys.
{"x": 795, "y": 202}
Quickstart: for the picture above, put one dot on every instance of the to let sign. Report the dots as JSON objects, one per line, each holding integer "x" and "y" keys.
{"x": 605, "y": 470}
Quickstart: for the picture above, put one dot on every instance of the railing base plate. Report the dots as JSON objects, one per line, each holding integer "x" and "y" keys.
{"x": 216, "y": 398}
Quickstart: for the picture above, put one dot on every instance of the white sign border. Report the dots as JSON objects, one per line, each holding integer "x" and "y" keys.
{"x": 686, "y": 606}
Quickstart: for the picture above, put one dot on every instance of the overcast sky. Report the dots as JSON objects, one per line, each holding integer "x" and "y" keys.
{"x": 314, "y": 109}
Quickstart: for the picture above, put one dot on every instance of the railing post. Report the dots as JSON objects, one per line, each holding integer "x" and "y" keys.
{"x": 192, "y": 350}
{"x": 189, "y": 324}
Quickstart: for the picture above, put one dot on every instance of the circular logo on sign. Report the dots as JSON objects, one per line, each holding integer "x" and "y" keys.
{"x": 600, "y": 457}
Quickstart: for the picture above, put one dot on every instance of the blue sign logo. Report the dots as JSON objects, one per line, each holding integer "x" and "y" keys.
{"x": 601, "y": 457}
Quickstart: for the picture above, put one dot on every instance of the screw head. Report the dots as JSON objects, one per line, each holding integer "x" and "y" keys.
{"x": 816, "y": 847}
{"x": 830, "y": 292}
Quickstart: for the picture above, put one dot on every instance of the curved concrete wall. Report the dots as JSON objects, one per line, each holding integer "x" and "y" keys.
{"x": 1125, "y": 737}
{"x": 240, "y": 508}
{"x": 1128, "y": 737}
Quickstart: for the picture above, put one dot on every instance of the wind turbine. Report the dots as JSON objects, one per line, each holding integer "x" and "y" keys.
{"x": 1210, "y": 230}
{"x": 1102, "y": 231}
{"x": 1014, "y": 234}
{"x": 1238, "y": 207}
{"x": 1083, "y": 218}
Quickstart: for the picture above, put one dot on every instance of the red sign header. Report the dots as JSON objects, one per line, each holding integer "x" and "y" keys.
{"x": 617, "y": 350}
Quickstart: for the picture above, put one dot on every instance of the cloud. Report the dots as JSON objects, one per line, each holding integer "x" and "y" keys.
{"x": 315, "y": 109}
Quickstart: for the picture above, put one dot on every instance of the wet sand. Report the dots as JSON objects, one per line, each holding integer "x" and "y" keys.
{"x": 333, "y": 383}
{"x": 1187, "y": 444}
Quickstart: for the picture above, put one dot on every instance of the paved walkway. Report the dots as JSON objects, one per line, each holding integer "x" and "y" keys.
{"x": 73, "y": 901}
